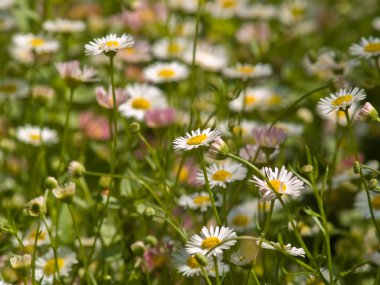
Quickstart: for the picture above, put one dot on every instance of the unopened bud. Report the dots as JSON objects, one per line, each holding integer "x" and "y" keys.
{"x": 373, "y": 183}
{"x": 138, "y": 248}
{"x": 51, "y": 183}
{"x": 151, "y": 240}
{"x": 356, "y": 167}
{"x": 134, "y": 128}
{"x": 368, "y": 113}
{"x": 76, "y": 169}
{"x": 307, "y": 169}
{"x": 149, "y": 212}
{"x": 218, "y": 150}
{"x": 201, "y": 259}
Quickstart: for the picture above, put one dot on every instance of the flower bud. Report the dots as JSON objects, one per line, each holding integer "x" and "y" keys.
{"x": 368, "y": 113}
{"x": 36, "y": 207}
{"x": 134, "y": 128}
{"x": 65, "y": 193}
{"x": 151, "y": 240}
{"x": 138, "y": 248}
{"x": 373, "y": 183}
{"x": 307, "y": 169}
{"x": 149, "y": 212}
{"x": 76, "y": 169}
{"x": 218, "y": 150}
{"x": 51, "y": 183}
{"x": 356, "y": 167}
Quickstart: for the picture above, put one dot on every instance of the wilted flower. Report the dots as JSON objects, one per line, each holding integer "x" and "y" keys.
{"x": 21, "y": 262}
{"x": 36, "y": 207}
{"x": 105, "y": 99}
{"x": 65, "y": 193}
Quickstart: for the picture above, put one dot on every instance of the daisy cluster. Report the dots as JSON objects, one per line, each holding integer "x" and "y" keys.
{"x": 189, "y": 142}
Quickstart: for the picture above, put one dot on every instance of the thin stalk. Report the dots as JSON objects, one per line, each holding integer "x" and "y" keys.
{"x": 377, "y": 64}
{"x": 257, "y": 282}
{"x": 268, "y": 218}
{"x": 193, "y": 69}
{"x": 362, "y": 178}
{"x": 204, "y": 273}
{"x": 33, "y": 265}
{"x": 216, "y": 269}
{"x": 207, "y": 184}
{"x": 66, "y": 128}
{"x": 177, "y": 229}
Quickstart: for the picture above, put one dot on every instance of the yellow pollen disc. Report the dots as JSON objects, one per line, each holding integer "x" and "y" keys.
{"x": 183, "y": 175}
{"x": 166, "y": 73}
{"x": 240, "y": 220}
{"x": 210, "y": 242}
{"x": 375, "y": 202}
{"x": 192, "y": 262}
{"x": 372, "y": 47}
{"x": 174, "y": 48}
{"x": 200, "y": 200}
{"x": 8, "y": 88}
{"x": 196, "y": 140}
{"x": 250, "y": 99}
{"x": 49, "y": 267}
{"x": 274, "y": 100}
{"x": 36, "y": 42}
{"x": 141, "y": 103}
{"x": 221, "y": 175}
{"x": 228, "y": 3}
{"x": 278, "y": 185}
{"x": 298, "y": 12}
{"x": 112, "y": 44}
{"x": 246, "y": 69}
{"x": 35, "y": 137}
{"x": 346, "y": 99}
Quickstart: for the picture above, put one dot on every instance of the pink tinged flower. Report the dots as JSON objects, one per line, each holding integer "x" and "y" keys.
{"x": 73, "y": 75}
{"x": 269, "y": 137}
{"x": 105, "y": 99}
{"x": 368, "y": 113}
{"x": 157, "y": 118}
{"x": 94, "y": 126}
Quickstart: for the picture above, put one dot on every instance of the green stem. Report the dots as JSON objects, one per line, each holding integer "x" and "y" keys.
{"x": 216, "y": 269}
{"x": 362, "y": 178}
{"x": 87, "y": 193}
{"x": 268, "y": 219}
{"x": 207, "y": 184}
{"x": 193, "y": 69}
{"x": 66, "y": 129}
{"x": 33, "y": 267}
{"x": 292, "y": 105}
{"x": 376, "y": 59}
{"x": 176, "y": 228}
{"x": 257, "y": 282}
{"x": 204, "y": 273}
{"x": 54, "y": 247}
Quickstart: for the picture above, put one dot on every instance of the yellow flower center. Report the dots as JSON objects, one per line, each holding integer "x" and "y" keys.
{"x": 197, "y": 139}
{"x": 221, "y": 175}
{"x": 192, "y": 262}
{"x": 174, "y": 48}
{"x": 112, "y": 44}
{"x": 250, "y": 99}
{"x": 274, "y": 100}
{"x": 140, "y": 103}
{"x": 228, "y": 3}
{"x": 278, "y": 185}
{"x": 49, "y": 267}
{"x": 375, "y": 202}
{"x": 240, "y": 220}
{"x": 33, "y": 234}
{"x": 210, "y": 242}
{"x": 200, "y": 200}
{"x": 35, "y": 137}
{"x": 183, "y": 175}
{"x": 166, "y": 73}
{"x": 129, "y": 51}
{"x": 246, "y": 69}
{"x": 372, "y": 47}
{"x": 8, "y": 88}
{"x": 346, "y": 99}
{"x": 298, "y": 11}
{"x": 36, "y": 42}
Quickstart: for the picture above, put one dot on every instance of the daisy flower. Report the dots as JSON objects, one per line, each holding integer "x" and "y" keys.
{"x": 221, "y": 238}
{"x": 361, "y": 203}
{"x": 142, "y": 97}
{"x": 158, "y": 118}
{"x": 35, "y": 43}
{"x": 64, "y": 26}
{"x": 341, "y": 100}
{"x": 36, "y": 136}
{"x": 220, "y": 175}
{"x": 225, "y": 8}
{"x": 241, "y": 217}
{"x": 105, "y": 99}
{"x": 288, "y": 248}
{"x": 249, "y": 99}
{"x": 188, "y": 266}
{"x": 197, "y": 201}
{"x": 109, "y": 44}
{"x": 253, "y": 153}
{"x": 45, "y": 265}
{"x": 140, "y": 52}
{"x": 169, "y": 48}
{"x": 73, "y": 75}
{"x": 166, "y": 72}
{"x": 269, "y": 137}
{"x": 282, "y": 181}
{"x": 367, "y": 48}
{"x": 245, "y": 71}
{"x": 195, "y": 139}
{"x": 30, "y": 236}
{"x": 6, "y": 4}
{"x": 13, "y": 88}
